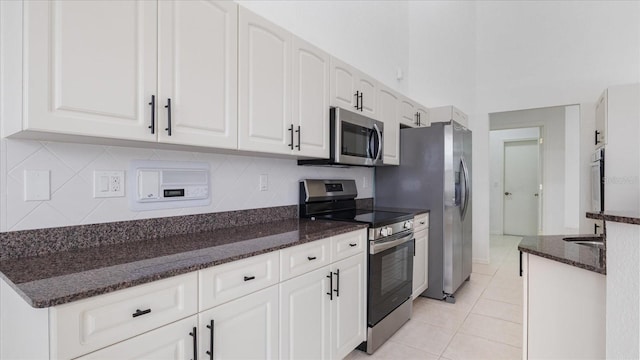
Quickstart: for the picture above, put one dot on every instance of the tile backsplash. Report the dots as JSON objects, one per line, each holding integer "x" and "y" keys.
{"x": 234, "y": 182}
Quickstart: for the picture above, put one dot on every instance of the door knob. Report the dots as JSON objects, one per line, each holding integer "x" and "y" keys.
{"x": 536, "y": 194}
{"x": 508, "y": 193}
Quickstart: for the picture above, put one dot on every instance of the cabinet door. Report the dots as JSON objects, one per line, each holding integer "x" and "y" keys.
{"x": 388, "y": 112}
{"x": 245, "y": 328}
{"x": 198, "y": 55}
{"x": 423, "y": 116}
{"x": 343, "y": 85}
{"x": 305, "y": 316}
{"x": 264, "y": 81}
{"x": 90, "y": 67}
{"x": 170, "y": 342}
{"x": 311, "y": 68}
{"x": 601, "y": 120}
{"x": 348, "y": 308}
{"x": 420, "y": 266}
{"x": 408, "y": 113}
{"x": 369, "y": 87}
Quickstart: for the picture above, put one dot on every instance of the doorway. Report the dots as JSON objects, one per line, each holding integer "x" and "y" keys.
{"x": 521, "y": 187}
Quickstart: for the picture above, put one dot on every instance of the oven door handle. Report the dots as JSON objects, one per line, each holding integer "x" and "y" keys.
{"x": 382, "y": 246}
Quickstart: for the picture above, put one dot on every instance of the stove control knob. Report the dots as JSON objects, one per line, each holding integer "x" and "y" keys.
{"x": 384, "y": 232}
{"x": 407, "y": 225}
{"x": 389, "y": 231}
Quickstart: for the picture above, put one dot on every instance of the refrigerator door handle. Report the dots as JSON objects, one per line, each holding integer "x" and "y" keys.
{"x": 465, "y": 203}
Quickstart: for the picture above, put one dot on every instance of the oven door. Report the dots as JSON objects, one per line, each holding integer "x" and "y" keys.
{"x": 358, "y": 139}
{"x": 390, "y": 276}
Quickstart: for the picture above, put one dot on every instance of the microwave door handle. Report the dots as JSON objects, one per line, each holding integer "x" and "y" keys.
{"x": 375, "y": 126}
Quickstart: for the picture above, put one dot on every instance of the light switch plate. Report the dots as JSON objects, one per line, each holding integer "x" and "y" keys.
{"x": 108, "y": 183}
{"x": 37, "y": 185}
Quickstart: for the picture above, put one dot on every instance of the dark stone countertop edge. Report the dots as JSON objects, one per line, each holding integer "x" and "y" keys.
{"x": 341, "y": 228}
{"x": 553, "y": 247}
{"x": 563, "y": 260}
{"x": 619, "y": 217}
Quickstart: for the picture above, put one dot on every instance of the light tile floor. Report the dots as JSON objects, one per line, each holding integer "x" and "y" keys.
{"x": 484, "y": 323}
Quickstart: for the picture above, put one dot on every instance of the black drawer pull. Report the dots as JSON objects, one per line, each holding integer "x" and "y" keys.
{"x": 330, "y": 293}
{"x": 247, "y": 278}
{"x": 352, "y": 245}
{"x": 168, "y": 107}
{"x": 311, "y": 258}
{"x": 210, "y": 351}
{"x": 337, "y": 290}
{"x": 153, "y": 114}
{"x": 140, "y": 312}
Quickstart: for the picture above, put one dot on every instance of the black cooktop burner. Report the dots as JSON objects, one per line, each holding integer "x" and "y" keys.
{"x": 373, "y": 217}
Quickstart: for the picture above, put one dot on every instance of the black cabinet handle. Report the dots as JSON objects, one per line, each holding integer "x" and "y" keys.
{"x": 521, "y": 263}
{"x": 210, "y": 351}
{"x": 194, "y": 333}
{"x": 357, "y": 95}
{"x": 168, "y": 107}
{"x": 353, "y": 244}
{"x": 291, "y": 129}
{"x": 330, "y": 293}
{"x": 247, "y": 278}
{"x": 361, "y": 101}
{"x": 140, "y": 312}
{"x": 153, "y": 114}
{"x": 596, "y": 137}
{"x": 595, "y": 228}
{"x": 311, "y": 258}
{"x": 337, "y": 282}
{"x": 298, "y": 131}
{"x": 417, "y": 118}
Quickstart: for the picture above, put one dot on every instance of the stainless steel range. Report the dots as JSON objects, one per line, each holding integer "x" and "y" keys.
{"x": 391, "y": 250}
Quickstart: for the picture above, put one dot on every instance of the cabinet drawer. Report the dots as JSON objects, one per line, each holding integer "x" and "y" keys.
{"x": 303, "y": 258}
{"x": 87, "y": 325}
{"x": 166, "y": 343}
{"x": 345, "y": 245}
{"x": 226, "y": 282}
{"x": 420, "y": 222}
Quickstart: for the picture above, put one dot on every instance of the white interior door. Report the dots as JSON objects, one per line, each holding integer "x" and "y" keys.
{"x": 521, "y": 187}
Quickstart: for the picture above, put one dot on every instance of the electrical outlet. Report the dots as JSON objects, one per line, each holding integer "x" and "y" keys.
{"x": 108, "y": 184}
{"x": 264, "y": 182}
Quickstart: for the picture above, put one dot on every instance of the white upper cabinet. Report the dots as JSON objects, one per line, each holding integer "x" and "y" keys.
{"x": 264, "y": 98}
{"x": 197, "y": 61}
{"x": 448, "y": 113}
{"x": 389, "y": 103}
{"x": 413, "y": 114}
{"x": 600, "y": 138}
{"x": 311, "y": 75}
{"x": 352, "y": 89}
{"x": 108, "y": 69}
{"x": 90, "y": 68}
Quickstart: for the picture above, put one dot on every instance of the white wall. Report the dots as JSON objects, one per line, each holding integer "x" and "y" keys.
{"x": 497, "y": 139}
{"x": 234, "y": 181}
{"x": 370, "y": 35}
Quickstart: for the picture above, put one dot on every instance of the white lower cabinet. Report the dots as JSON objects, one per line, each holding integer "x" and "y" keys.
{"x": 174, "y": 341}
{"x": 323, "y": 311}
{"x": 348, "y": 311}
{"x": 245, "y": 328}
{"x": 421, "y": 263}
{"x": 305, "y": 316}
{"x": 564, "y": 311}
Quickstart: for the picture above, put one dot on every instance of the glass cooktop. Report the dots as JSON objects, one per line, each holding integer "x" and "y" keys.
{"x": 373, "y": 217}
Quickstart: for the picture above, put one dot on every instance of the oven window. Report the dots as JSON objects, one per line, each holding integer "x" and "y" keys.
{"x": 390, "y": 280}
{"x": 355, "y": 140}
{"x": 394, "y": 270}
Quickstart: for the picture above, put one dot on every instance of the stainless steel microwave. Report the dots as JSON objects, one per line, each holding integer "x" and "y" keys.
{"x": 355, "y": 140}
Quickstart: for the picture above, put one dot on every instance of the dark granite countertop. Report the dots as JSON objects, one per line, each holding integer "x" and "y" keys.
{"x": 625, "y": 217}
{"x": 66, "y": 276}
{"x": 554, "y": 248}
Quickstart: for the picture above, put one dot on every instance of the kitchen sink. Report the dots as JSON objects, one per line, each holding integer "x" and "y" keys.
{"x": 596, "y": 242}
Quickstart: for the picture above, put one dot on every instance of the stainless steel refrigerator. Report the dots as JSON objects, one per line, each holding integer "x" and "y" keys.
{"x": 435, "y": 174}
